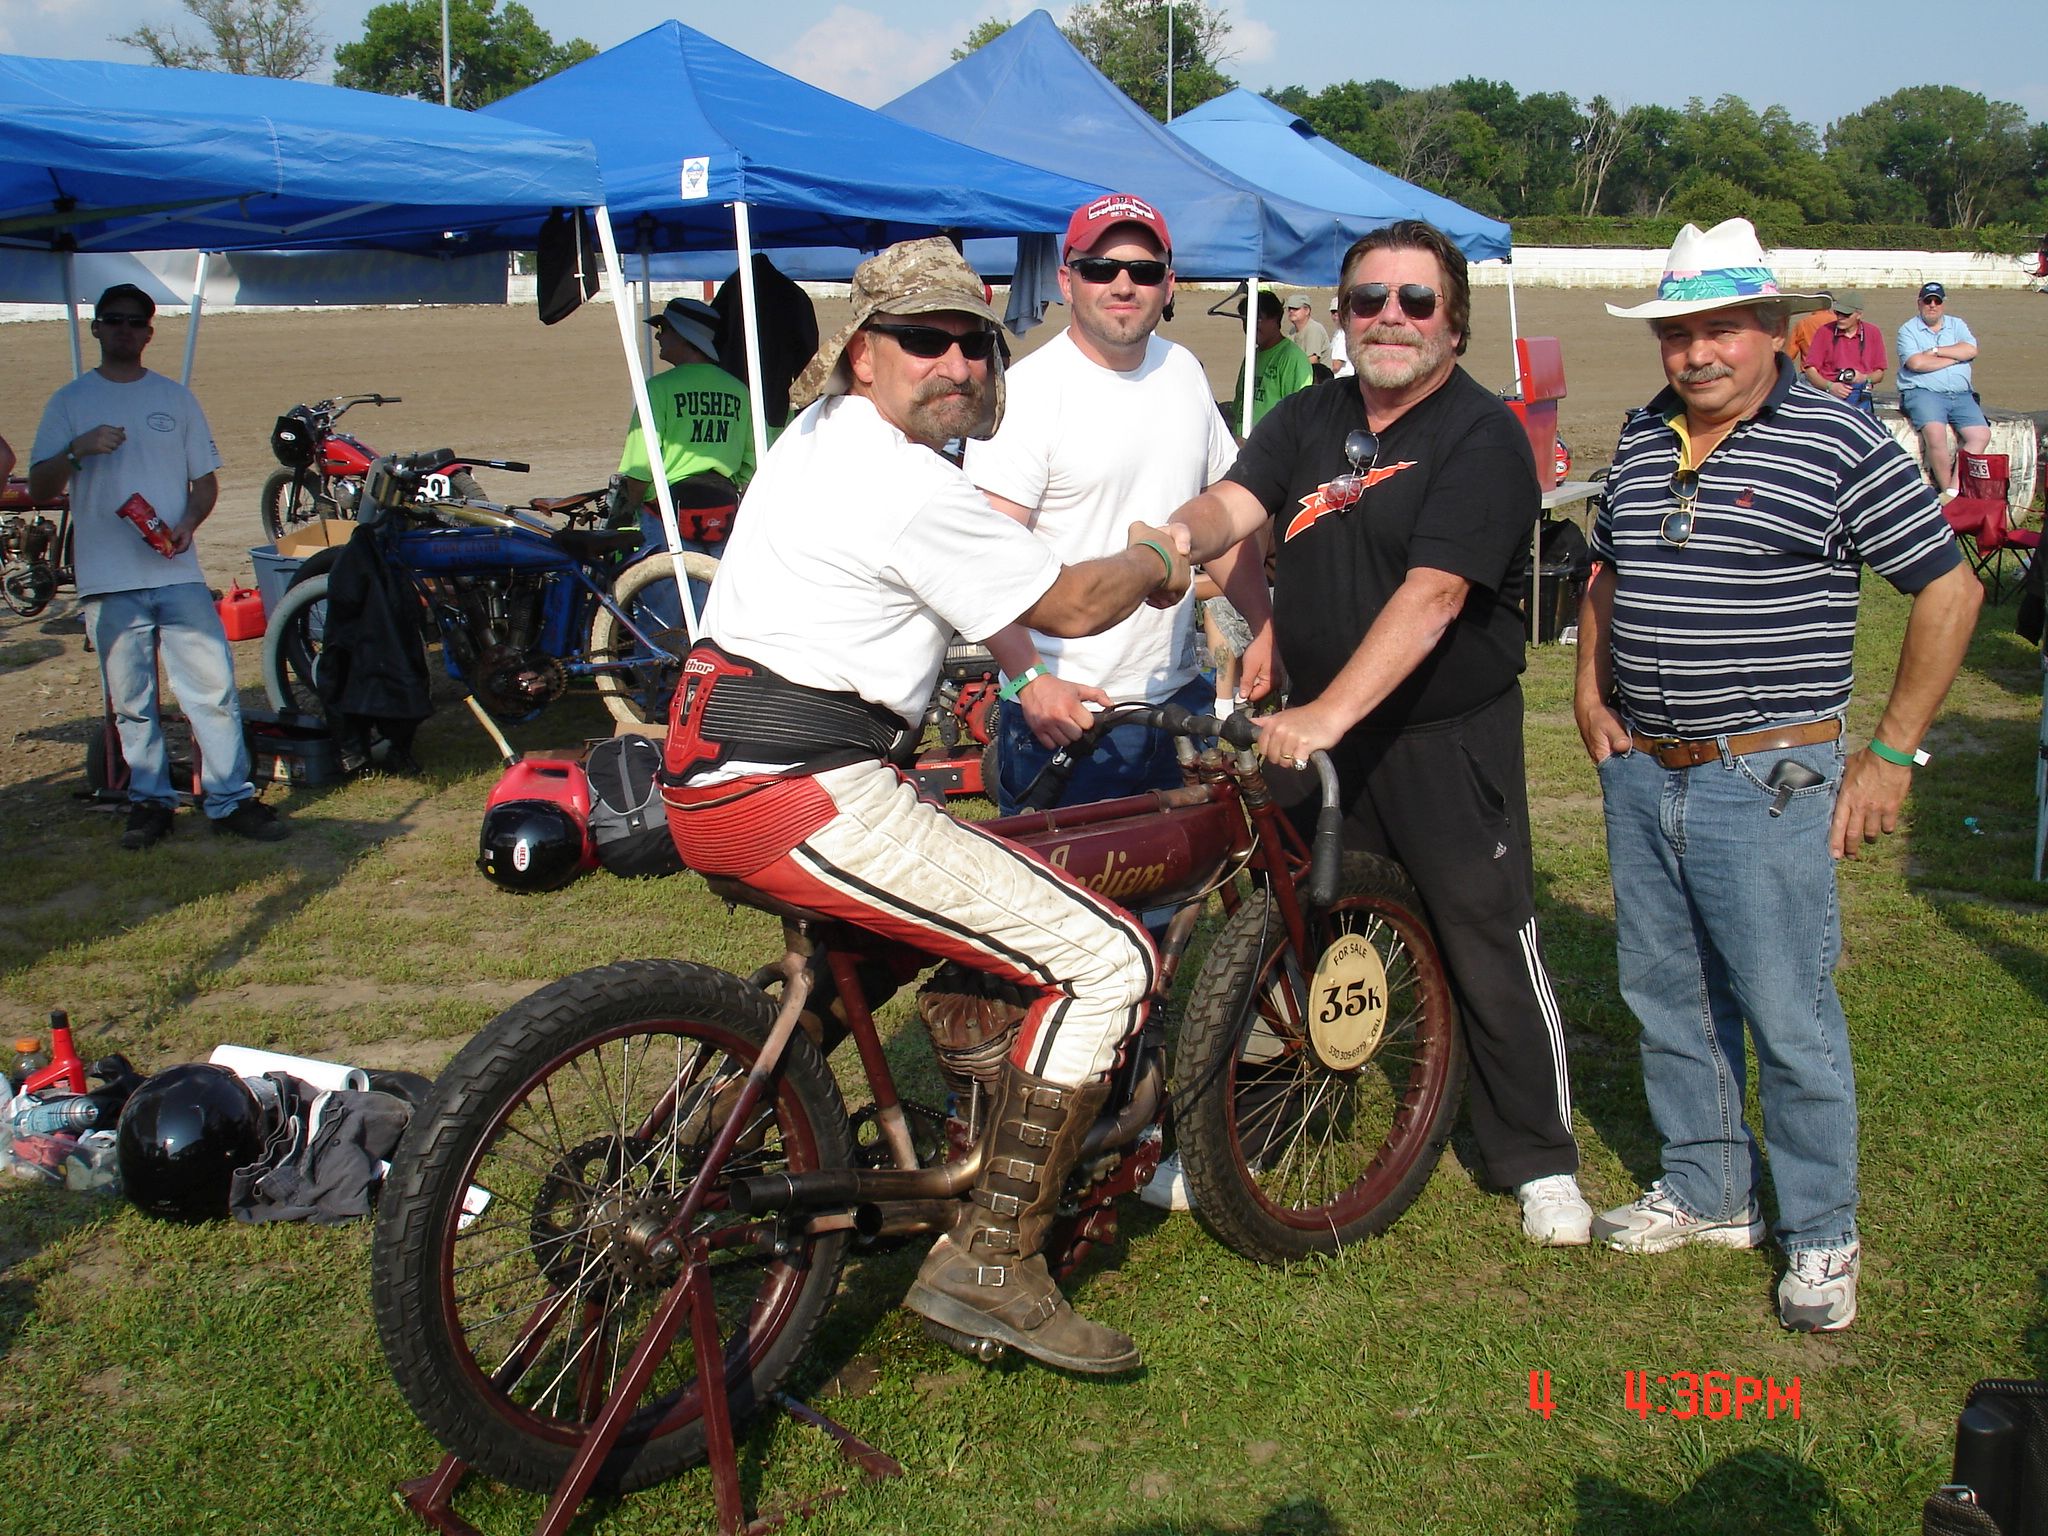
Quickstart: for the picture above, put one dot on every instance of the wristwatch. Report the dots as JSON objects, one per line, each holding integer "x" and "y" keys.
{"x": 76, "y": 462}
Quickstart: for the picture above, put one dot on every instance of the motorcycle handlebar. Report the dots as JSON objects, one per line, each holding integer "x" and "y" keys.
{"x": 1326, "y": 854}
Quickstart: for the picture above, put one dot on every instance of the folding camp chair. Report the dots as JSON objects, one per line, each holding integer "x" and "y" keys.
{"x": 1983, "y": 523}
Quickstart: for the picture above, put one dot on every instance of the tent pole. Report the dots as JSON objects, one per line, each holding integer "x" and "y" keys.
{"x": 1514, "y": 325}
{"x": 643, "y": 409}
{"x": 743, "y": 234}
{"x": 71, "y": 313}
{"x": 198, "y": 304}
{"x": 1251, "y": 351}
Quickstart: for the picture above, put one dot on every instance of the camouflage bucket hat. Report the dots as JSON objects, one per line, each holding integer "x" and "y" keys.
{"x": 916, "y": 277}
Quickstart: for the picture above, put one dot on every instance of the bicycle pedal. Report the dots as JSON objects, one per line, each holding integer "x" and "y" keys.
{"x": 981, "y": 1351}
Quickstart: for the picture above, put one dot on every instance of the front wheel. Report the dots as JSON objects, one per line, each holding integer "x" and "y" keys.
{"x": 291, "y": 499}
{"x": 646, "y": 592}
{"x": 511, "y": 1271}
{"x": 291, "y": 646}
{"x": 1314, "y": 1094}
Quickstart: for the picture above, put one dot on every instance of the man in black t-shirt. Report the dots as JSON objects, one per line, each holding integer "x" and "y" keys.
{"x": 1402, "y": 500}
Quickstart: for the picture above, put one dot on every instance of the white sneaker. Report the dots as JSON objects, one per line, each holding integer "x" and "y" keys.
{"x": 1168, "y": 1190}
{"x": 1818, "y": 1293}
{"x": 1554, "y": 1213}
{"x": 1656, "y": 1223}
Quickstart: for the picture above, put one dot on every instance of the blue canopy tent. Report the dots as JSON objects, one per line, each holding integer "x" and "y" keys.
{"x": 1030, "y": 93}
{"x": 123, "y": 157}
{"x": 1252, "y": 136}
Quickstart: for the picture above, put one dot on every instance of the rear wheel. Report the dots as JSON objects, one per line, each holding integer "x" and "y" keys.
{"x": 511, "y": 1272}
{"x": 291, "y": 646}
{"x": 1313, "y": 1100}
{"x": 646, "y": 592}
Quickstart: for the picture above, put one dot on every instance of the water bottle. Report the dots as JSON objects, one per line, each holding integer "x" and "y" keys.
{"x": 29, "y": 1056}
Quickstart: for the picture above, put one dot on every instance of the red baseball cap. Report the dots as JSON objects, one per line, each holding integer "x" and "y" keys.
{"x": 1092, "y": 221}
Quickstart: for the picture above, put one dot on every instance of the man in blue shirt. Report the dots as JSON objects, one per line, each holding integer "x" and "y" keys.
{"x": 1935, "y": 352}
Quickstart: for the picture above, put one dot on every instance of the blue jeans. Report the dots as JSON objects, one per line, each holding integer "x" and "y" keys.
{"x": 130, "y": 630}
{"x": 1129, "y": 760}
{"x": 1726, "y": 914}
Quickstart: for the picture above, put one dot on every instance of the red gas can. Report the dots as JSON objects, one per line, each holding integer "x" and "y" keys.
{"x": 241, "y": 613}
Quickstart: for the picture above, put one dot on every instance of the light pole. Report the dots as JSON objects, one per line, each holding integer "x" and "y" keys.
{"x": 1169, "y": 59}
{"x": 447, "y": 89}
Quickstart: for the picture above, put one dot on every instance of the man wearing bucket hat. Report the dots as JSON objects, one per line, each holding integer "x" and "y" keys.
{"x": 1714, "y": 673}
{"x": 1401, "y": 503}
{"x": 863, "y": 551}
{"x": 704, "y": 421}
{"x": 1935, "y": 353}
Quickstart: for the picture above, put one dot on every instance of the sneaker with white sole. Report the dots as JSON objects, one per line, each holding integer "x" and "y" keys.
{"x": 1554, "y": 1213}
{"x": 1656, "y": 1223}
{"x": 1168, "y": 1190}
{"x": 1818, "y": 1293}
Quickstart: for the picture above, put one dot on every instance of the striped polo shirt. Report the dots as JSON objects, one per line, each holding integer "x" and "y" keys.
{"x": 1752, "y": 622}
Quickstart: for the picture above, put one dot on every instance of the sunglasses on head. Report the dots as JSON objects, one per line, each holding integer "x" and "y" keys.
{"x": 929, "y": 341}
{"x": 1418, "y": 301}
{"x": 1145, "y": 272}
{"x": 133, "y": 322}
{"x": 1677, "y": 525}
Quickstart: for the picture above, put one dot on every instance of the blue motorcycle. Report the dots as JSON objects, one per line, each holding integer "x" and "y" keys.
{"x": 526, "y": 600}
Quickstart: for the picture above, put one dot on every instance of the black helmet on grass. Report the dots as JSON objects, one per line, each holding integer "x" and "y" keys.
{"x": 532, "y": 846}
{"x": 183, "y": 1134}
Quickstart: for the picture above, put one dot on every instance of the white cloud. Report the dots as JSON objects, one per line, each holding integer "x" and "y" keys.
{"x": 856, "y": 54}
{"x": 1251, "y": 42}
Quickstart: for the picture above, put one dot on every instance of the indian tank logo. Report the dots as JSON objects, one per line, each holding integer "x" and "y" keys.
{"x": 1117, "y": 878}
{"x": 1336, "y": 495}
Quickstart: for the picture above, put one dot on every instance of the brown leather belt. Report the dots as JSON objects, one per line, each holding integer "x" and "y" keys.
{"x": 1674, "y": 753}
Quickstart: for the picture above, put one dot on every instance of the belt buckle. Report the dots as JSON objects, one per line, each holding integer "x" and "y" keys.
{"x": 1659, "y": 745}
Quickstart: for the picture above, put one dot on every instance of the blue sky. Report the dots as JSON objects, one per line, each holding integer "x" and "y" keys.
{"x": 1817, "y": 60}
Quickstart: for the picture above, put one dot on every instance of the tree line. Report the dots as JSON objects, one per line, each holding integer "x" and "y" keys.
{"x": 1926, "y": 158}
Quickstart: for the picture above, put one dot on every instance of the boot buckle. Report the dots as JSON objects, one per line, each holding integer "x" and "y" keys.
{"x": 994, "y": 1239}
{"x": 1001, "y": 1205}
{"x": 991, "y": 1274}
{"x": 1031, "y": 1134}
{"x": 1014, "y": 1168}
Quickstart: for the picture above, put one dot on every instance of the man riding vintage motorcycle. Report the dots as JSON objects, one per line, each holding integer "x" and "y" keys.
{"x": 825, "y": 632}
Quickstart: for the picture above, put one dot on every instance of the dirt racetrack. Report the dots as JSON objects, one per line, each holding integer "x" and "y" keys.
{"x": 493, "y": 381}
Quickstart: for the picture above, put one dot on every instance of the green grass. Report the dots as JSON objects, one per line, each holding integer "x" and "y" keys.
{"x": 227, "y": 1378}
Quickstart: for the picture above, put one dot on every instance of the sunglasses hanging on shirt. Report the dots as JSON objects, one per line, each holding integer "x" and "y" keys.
{"x": 1677, "y": 525}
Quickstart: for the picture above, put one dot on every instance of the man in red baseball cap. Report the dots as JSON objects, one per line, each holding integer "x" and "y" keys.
{"x": 1103, "y": 422}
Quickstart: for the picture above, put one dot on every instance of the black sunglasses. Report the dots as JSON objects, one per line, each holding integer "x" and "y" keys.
{"x": 1932, "y": 298}
{"x": 1418, "y": 301}
{"x": 1677, "y": 525}
{"x": 133, "y": 322}
{"x": 1146, "y": 273}
{"x": 929, "y": 341}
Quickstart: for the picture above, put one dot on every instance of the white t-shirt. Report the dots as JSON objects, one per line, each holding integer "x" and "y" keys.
{"x": 859, "y": 555}
{"x": 168, "y": 446}
{"x": 1093, "y": 451}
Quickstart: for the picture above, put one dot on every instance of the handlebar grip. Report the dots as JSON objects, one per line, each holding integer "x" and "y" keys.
{"x": 1326, "y": 855}
{"x": 511, "y": 465}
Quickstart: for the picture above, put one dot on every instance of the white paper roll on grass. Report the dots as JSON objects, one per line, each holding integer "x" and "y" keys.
{"x": 249, "y": 1062}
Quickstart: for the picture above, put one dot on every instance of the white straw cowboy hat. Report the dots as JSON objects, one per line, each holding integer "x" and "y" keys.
{"x": 1719, "y": 268}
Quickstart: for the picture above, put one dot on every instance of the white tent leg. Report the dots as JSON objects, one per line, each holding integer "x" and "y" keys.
{"x": 615, "y": 280}
{"x": 71, "y": 313}
{"x": 646, "y": 306}
{"x": 192, "y": 315}
{"x": 1251, "y": 353}
{"x": 743, "y": 236}
{"x": 1514, "y": 327}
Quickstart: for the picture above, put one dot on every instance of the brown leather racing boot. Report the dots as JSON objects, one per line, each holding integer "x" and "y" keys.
{"x": 987, "y": 1277}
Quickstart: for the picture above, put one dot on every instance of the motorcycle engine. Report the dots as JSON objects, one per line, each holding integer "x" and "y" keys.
{"x": 973, "y": 1018}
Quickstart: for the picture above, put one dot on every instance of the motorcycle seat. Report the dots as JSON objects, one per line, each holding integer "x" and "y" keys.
{"x": 590, "y": 544}
{"x": 562, "y": 503}
{"x": 739, "y": 893}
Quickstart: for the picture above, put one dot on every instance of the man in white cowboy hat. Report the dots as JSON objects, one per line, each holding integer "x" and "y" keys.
{"x": 704, "y": 420}
{"x": 1714, "y": 673}
{"x": 863, "y": 551}
{"x": 1401, "y": 503}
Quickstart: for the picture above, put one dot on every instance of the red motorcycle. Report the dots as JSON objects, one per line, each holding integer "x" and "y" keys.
{"x": 649, "y": 1168}
{"x": 35, "y": 552}
{"x": 324, "y": 467}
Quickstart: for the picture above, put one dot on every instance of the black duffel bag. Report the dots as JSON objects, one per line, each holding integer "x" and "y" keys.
{"x": 628, "y": 825}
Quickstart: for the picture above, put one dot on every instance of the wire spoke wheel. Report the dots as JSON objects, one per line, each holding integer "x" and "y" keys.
{"x": 518, "y": 1259}
{"x": 639, "y": 691}
{"x": 1313, "y": 1098}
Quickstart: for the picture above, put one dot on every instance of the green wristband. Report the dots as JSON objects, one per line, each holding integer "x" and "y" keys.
{"x": 1912, "y": 759}
{"x": 1158, "y": 549}
{"x": 1016, "y": 685}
